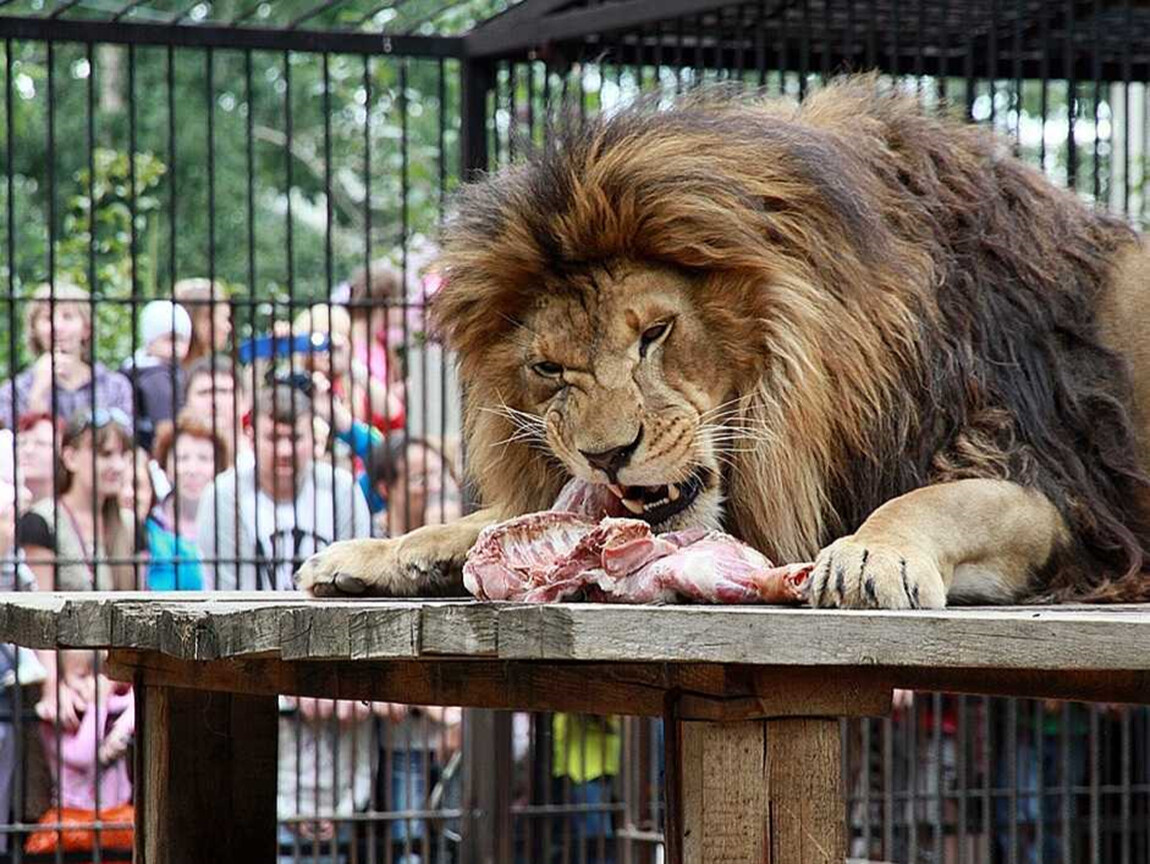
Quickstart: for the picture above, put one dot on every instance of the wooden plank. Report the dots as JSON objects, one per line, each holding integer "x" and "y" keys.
{"x": 469, "y": 629}
{"x": 592, "y": 688}
{"x": 723, "y": 793}
{"x": 804, "y": 791}
{"x": 1056, "y": 639}
{"x": 208, "y": 763}
{"x": 973, "y": 638}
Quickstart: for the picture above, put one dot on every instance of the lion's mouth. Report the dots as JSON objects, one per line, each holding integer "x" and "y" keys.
{"x": 657, "y": 504}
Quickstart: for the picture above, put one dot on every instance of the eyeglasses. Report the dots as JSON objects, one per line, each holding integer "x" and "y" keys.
{"x": 98, "y": 419}
{"x": 301, "y": 381}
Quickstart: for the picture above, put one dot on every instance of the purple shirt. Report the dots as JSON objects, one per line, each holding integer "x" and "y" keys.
{"x": 113, "y": 390}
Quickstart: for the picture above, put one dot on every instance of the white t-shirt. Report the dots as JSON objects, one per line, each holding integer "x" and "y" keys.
{"x": 258, "y": 543}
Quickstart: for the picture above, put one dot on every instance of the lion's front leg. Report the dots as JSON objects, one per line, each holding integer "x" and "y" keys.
{"x": 425, "y": 562}
{"x": 970, "y": 540}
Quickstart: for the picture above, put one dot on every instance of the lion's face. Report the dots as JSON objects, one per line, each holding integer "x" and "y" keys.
{"x": 631, "y": 389}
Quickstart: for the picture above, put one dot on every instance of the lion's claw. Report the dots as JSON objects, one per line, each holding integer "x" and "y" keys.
{"x": 853, "y": 573}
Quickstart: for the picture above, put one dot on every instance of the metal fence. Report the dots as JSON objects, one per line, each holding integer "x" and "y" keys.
{"x": 278, "y": 171}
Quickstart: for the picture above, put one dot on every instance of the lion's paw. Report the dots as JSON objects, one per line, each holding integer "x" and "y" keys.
{"x": 856, "y": 574}
{"x": 379, "y": 568}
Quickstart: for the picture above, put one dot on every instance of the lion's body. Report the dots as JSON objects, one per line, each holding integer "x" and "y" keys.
{"x": 873, "y": 300}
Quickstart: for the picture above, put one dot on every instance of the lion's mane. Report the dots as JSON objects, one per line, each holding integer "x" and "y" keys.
{"x": 909, "y": 303}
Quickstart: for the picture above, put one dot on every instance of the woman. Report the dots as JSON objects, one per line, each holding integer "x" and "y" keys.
{"x": 58, "y": 328}
{"x": 188, "y": 453}
{"x": 207, "y": 303}
{"x": 35, "y": 439}
{"x": 81, "y": 540}
{"x": 84, "y": 525}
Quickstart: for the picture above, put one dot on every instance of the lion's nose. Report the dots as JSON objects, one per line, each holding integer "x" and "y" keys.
{"x": 610, "y": 461}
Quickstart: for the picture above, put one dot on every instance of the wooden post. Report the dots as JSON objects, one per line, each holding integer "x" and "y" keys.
{"x": 205, "y": 777}
{"x": 768, "y": 790}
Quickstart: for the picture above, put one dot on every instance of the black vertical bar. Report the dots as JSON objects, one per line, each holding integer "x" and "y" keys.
{"x": 289, "y": 179}
{"x": 1126, "y": 761}
{"x": 895, "y": 39}
{"x": 992, "y": 58}
{"x": 872, "y": 35}
{"x": 404, "y": 193}
{"x": 939, "y": 760}
{"x": 943, "y": 53}
{"x": 249, "y": 150}
{"x": 1067, "y": 801}
{"x": 372, "y": 853}
{"x": 1128, "y": 18}
{"x": 530, "y": 105}
{"x": 968, "y": 72}
{"x": 1012, "y": 778}
{"x": 475, "y": 80}
{"x": 1095, "y": 791}
{"x": 441, "y": 139}
{"x": 760, "y": 42}
{"x": 1044, "y": 74}
{"x": 784, "y": 48}
{"x": 1096, "y": 76}
{"x": 680, "y": 35}
{"x": 919, "y": 35}
{"x": 912, "y": 766}
{"x": 512, "y": 109}
{"x": 962, "y": 732}
{"x": 1071, "y": 98}
{"x": 825, "y": 44}
{"x": 91, "y": 147}
{"x": 848, "y": 64}
{"x": 329, "y": 281}
{"x": 1039, "y": 733}
{"x": 738, "y": 31}
{"x": 209, "y": 104}
{"x": 1016, "y": 68}
{"x": 804, "y": 48}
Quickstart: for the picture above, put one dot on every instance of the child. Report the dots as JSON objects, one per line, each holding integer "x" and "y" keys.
{"x": 91, "y": 756}
{"x": 155, "y": 370}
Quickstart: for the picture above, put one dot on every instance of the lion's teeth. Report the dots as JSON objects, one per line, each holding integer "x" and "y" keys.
{"x": 672, "y": 491}
{"x": 617, "y": 489}
{"x": 635, "y": 507}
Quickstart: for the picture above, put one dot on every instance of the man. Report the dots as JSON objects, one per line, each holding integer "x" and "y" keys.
{"x": 258, "y": 521}
{"x": 216, "y": 394}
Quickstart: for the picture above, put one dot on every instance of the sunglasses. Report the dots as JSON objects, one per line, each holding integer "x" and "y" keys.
{"x": 98, "y": 419}
{"x": 300, "y": 381}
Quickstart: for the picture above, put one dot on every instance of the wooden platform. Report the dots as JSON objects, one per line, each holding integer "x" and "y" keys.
{"x": 752, "y": 695}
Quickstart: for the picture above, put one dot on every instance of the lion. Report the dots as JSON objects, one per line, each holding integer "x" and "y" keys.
{"x": 850, "y": 331}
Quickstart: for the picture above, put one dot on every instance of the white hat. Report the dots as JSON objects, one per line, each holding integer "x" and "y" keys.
{"x": 164, "y": 316}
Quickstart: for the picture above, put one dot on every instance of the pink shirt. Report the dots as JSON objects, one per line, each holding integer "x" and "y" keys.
{"x": 77, "y": 769}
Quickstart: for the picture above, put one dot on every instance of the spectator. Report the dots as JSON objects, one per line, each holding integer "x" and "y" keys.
{"x": 88, "y": 763}
{"x": 60, "y": 381}
{"x": 262, "y": 520}
{"x": 185, "y": 458}
{"x": 85, "y": 528}
{"x": 417, "y": 743}
{"x": 211, "y": 315}
{"x": 281, "y": 522}
{"x": 154, "y": 370}
{"x": 417, "y": 484}
{"x": 326, "y": 764}
{"x": 585, "y": 761}
{"x": 36, "y": 438}
{"x": 84, "y": 524}
{"x": 215, "y": 393}
{"x": 18, "y": 666}
{"x": 378, "y": 336}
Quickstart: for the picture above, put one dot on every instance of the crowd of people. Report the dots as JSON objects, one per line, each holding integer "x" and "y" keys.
{"x": 204, "y": 463}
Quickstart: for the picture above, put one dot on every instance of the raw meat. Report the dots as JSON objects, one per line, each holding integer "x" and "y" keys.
{"x": 581, "y": 553}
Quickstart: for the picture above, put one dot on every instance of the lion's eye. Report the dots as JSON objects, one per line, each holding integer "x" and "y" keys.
{"x": 652, "y": 335}
{"x": 547, "y": 369}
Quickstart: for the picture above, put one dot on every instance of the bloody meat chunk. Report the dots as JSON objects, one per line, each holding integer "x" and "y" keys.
{"x": 558, "y": 555}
